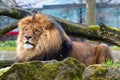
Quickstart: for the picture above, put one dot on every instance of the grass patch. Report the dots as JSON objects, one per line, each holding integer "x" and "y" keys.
{"x": 8, "y": 45}
{"x": 110, "y": 63}
{"x": 7, "y": 48}
{"x": 114, "y": 48}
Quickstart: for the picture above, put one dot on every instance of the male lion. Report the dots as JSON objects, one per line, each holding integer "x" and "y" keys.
{"x": 41, "y": 38}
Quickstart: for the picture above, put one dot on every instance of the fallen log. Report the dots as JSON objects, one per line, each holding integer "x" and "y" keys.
{"x": 8, "y": 28}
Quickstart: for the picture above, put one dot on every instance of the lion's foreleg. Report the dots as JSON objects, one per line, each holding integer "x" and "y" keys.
{"x": 102, "y": 53}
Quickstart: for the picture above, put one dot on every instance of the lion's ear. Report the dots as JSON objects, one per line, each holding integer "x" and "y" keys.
{"x": 20, "y": 25}
{"x": 24, "y": 22}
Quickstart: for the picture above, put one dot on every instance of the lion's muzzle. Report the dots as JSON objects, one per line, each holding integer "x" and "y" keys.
{"x": 28, "y": 45}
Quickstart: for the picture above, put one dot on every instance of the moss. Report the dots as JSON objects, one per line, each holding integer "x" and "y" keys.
{"x": 102, "y": 72}
{"x": 73, "y": 72}
{"x": 106, "y": 30}
{"x": 69, "y": 69}
{"x": 27, "y": 71}
{"x": 114, "y": 29}
{"x": 3, "y": 70}
{"x": 94, "y": 28}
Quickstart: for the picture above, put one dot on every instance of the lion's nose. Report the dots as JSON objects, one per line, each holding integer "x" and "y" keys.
{"x": 28, "y": 37}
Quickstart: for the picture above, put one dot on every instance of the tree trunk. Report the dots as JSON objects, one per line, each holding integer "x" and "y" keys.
{"x": 90, "y": 12}
{"x": 8, "y": 28}
{"x": 98, "y": 33}
{"x": 15, "y": 13}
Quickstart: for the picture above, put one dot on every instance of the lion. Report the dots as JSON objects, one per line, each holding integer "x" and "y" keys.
{"x": 42, "y": 38}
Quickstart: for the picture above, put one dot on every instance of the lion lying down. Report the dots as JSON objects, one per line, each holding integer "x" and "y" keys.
{"x": 41, "y": 38}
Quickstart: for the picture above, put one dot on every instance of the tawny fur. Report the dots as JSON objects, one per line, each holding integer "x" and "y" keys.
{"x": 50, "y": 37}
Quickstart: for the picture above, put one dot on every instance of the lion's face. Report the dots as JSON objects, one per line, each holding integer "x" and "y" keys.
{"x": 39, "y": 33}
{"x": 31, "y": 34}
{"x": 32, "y": 29}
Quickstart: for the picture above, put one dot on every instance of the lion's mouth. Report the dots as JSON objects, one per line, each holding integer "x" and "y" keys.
{"x": 28, "y": 45}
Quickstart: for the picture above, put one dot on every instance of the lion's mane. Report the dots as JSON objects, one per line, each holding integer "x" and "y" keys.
{"x": 49, "y": 42}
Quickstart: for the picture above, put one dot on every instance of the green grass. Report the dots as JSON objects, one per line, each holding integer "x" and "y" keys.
{"x": 8, "y": 45}
{"x": 114, "y": 48}
{"x": 7, "y": 48}
{"x": 110, "y": 63}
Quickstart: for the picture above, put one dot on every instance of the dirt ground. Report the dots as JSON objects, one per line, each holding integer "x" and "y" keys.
{"x": 116, "y": 55}
{"x": 10, "y": 55}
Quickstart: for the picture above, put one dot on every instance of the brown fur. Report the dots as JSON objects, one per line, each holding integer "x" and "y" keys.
{"x": 51, "y": 42}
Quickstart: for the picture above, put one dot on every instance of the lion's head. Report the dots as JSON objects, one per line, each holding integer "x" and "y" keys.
{"x": 38, "y": 35}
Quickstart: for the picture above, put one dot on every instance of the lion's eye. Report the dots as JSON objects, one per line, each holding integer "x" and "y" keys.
{"x": 26, "y": 29}
{"x": 37, "y": 31}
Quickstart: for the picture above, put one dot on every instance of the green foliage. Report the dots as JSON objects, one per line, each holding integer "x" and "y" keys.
{"x": 110, "y": 63}
{"x": 8, "y": 45}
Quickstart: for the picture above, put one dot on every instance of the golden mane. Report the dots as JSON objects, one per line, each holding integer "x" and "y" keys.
{"x": 41, "y": 38}
{"x": 38, "y": 18}
{"x": 46, "y": 42}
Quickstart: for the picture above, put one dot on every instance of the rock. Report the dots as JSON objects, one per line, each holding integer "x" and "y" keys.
{"x": 2, "y": 70}
{"x": 69, "y": 69}
{"x": 102, "y": 72}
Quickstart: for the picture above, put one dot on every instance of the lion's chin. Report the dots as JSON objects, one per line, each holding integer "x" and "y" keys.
{"x": 28, "y": 46}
